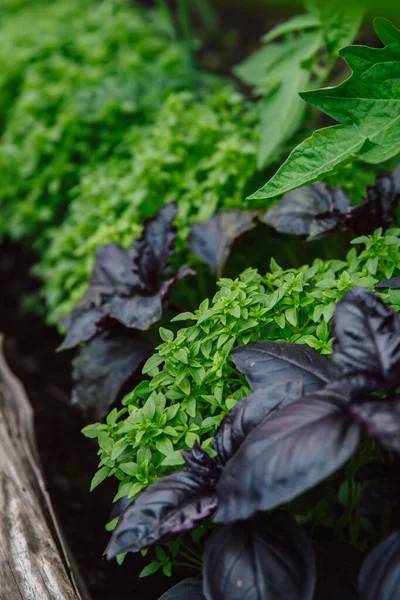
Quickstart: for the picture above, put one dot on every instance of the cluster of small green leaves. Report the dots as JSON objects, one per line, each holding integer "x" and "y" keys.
{"x": 193, "y": 382}
{"x": 198, "y": 152}
{"x": 70, "y": 85}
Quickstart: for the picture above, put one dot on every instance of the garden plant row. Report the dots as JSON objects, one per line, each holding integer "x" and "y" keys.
{"x": 259, "y": 448}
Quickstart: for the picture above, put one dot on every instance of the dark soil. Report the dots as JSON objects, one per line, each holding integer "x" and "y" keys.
{"x": 68, "y": 458}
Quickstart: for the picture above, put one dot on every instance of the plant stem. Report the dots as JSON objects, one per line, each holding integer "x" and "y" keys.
{"x": 187, "y": 34}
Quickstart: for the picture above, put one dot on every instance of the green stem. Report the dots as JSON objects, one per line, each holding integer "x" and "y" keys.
{"x": 196, "y": 562}
{"x": 184, "y": 22}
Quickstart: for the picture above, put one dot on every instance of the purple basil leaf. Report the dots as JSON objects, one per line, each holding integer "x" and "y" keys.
{"x": 201, "y": 463}
{"x": 212, "y": 241}
{"x": 249, "y": 412}
{"x": 83, "y": 325}
{"x": 126, "y": 285}
{"x": 188, "y": 589}
{"x": 367, "y": 338}
{"x": 154, "y": 248}
{"x": 393, "y": 284}
{"x": 377, "y": 210}
{"x": 381, "y": 419}
{"x": 310, "y": 210}
{"x": 140, "y": 311}
{"x": 168, "y": 508}
{"x": 267, "y": 557}
{"x": 112, "y": 273}
{"x": 338, "y": 567}
{"x": 287, "y": 454}
{"x": 102, "y": 367}
{"x": 265, "y": 363}
{"x": 380, "y": 574}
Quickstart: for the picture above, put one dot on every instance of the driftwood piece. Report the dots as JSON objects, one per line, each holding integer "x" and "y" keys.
{"x": 34, "y": 561}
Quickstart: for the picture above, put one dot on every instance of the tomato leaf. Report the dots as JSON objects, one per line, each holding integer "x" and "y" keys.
{"x": 367, "y": 104}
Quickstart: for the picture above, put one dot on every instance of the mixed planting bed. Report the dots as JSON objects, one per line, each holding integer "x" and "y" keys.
{"x": 221, "y": 254}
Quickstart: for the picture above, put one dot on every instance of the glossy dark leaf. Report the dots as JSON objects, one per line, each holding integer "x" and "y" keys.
{"x": 188, "y": 589}
{"x": 264, "y": 363}
{"x": 212, "y": 241}
{"x": 380, "y": 574}
{"x": 310, "y": 210}
{"x": 377, "y": 210}
{"x": 140, "y": 311}
{"x": 168, "y": 508}
{"x": 126, "y": 285}
{"x": 103, "y": 366}
{"x": 201, "y": 463}
{"x": 112, "y": 272}
{"x": 265, "y": 558}
{"x": 249, "y": 412}
{"x": 83, "y": 323}
{"x": 367, "y": 338}
{"x": 338, "y": 567}
{"x": 393, "y": 283}
{"x": 381, "y": 418}
{"x": 287, "y": 454}
{"x": 154, "y": 248}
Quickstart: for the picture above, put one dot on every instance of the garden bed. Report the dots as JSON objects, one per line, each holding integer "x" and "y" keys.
{"x": 206, "y": 322}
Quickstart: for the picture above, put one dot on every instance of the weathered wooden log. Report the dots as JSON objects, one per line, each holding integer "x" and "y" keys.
{"x": 34, "y": 560}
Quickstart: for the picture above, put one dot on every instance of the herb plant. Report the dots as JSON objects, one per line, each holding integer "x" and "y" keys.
{"x": 193, "y": 382}
{"x": 302, "y": 423}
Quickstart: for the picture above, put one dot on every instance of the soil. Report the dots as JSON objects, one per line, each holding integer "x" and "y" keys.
{"x": 68, "y": 458}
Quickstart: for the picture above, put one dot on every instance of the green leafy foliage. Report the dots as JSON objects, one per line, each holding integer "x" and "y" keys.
{"x": 367, "y": 105}
{"x": 193, "y": 382}
{"x": 340, "y": 21}
{"x": 198, "y": 152}
{"x": 281, "y": 70}
{"x": 70, "y": 87}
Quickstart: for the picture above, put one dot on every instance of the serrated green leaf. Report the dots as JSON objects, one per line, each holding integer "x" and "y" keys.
{"x": 317, "y": 155}
{"x": 368, "y": 106}
{"x": 339, "y": 20}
